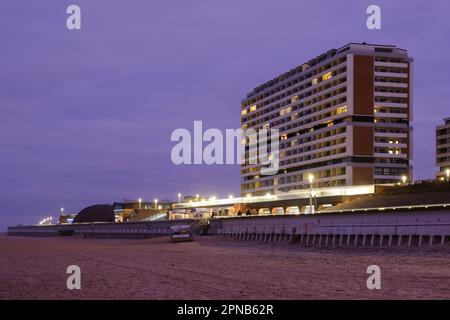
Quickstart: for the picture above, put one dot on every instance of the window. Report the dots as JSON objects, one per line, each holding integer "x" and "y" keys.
{"x": 252, "y": 108}
{"x": 285, "y": 111}
{"x": 244, "y": 112}
{"x": 341, "y": 110}
{"x": 314, "y": 81}
{"x": 327, "y": 76}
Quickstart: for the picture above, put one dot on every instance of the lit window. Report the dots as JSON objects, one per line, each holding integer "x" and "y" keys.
{"x": 244, "y": 112}
{"x": 284, "y": 137}
{"x": 252, "y": 108}
{"x": 330, "y": 124}
{"x": 341, "y": 110}
{"x": 314, "y": 81}
{"x": 266, "y": 126}
{"x": 294, "y": 99}
{"x": 327, "y": 76}
{"x": 391, "y": 152}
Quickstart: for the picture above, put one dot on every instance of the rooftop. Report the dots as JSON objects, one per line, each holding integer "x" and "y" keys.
{"x": 320, "y": 58}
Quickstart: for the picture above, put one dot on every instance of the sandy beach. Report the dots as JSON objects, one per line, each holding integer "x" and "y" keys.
{"x": 35, "y": 268}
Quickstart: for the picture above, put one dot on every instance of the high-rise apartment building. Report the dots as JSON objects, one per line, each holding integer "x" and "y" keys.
{"x": 443, "y": 150}
{"x": 344, "y": 118}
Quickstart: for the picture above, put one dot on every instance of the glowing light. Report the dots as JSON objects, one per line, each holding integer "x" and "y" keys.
{"x": 46, "y": 220}
{"x": 404, "y": 178}
{"x": 311, "y": 178}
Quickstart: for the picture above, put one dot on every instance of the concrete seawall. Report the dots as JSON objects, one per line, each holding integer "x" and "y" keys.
{"x": 125, "y": 230}
{"x": 415, "y": 228}
{"x": 399, "y": 228}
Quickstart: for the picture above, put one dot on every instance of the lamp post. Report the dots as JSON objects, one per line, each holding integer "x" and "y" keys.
{"x": 140, "y": 202}
{"x": 404, "y": 178}
{"x": 447, "y": 173}
{"x": 197, "y": 196}
{"x": 179, "y": 198}
{"x": 156, "y": 203}
{"x": 62, "y": 211}
{"x": 311, "y": 180}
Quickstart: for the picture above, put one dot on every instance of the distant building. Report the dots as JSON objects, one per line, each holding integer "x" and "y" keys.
{"x": 344, "y": 119}
{"x": 135, "y": 210}
{"x": 192, "y": 198}
{"x": 66, "y": 218}
{"x": 95, "y": 213}
{"x": 443, "y": 150}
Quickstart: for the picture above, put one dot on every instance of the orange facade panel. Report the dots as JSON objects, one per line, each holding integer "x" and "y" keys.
{"x": 362, "y": 141}
{"x": 362, "y": 175}
{"x": 363, "y": 67}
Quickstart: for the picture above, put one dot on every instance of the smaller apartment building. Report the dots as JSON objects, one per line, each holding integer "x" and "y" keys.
{"x": 443, "y": 149}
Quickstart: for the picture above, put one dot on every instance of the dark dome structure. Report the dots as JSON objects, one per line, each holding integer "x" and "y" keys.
{"x": 96, "y": 213}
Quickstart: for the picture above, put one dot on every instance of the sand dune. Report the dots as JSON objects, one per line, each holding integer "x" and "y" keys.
{"x": 35, "y": 268}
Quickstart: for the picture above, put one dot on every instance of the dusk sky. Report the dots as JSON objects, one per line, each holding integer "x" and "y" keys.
{"x": 87, "y": 115}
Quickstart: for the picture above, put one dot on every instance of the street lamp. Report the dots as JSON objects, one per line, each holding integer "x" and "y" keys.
{"x": 140, "y": 202}
{"x": 447, "y": 173}
{"x": 197, "y": 196}
{"x": 311, "y": 180}
{"x": 179, "y": 198}
{"x": 62, "y": 210}
{"x": 156, "y": 203}
{"x": 404, "y": 179}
